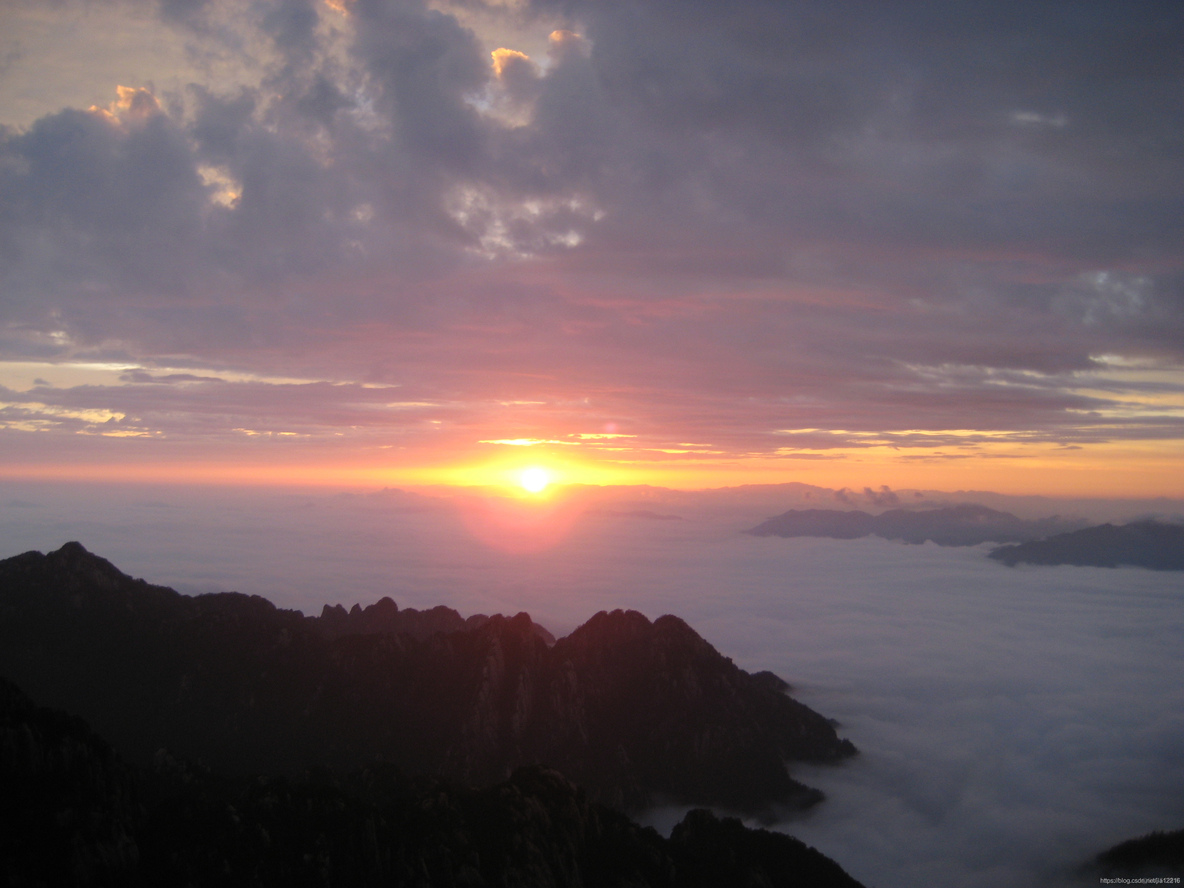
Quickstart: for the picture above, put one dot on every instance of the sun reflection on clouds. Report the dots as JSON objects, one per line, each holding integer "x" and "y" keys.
{"x": 519, "y": 526}
{"x": 134, "y": 103}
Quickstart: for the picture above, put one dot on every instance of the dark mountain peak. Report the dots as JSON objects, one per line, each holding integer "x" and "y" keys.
{"x": 521, "y": 621}
{"x": 631, "y": 709}
{"x": 1155, "y": 854}
{"x": 626, "y": 641}
{"x": 238, "y": 608}
{"x": 74, "y": 565}
{"x": 72, "y": 549}
{"x": 622, "y": 637}
{"x": 386, "y": 617}
{"x": 385, "y": 606}
{"x": 71, "y": 579}
{"x": 502, "y": 630}
{"x": 725, "y": 734}
{"x": 618, "y": 620}
{"x": 617, "y": 624}
{"x": 669, "y": 624}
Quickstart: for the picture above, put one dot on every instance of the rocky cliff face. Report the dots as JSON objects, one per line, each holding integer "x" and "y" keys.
{"x": 632, "y": 709}
{"x": 75, "y": 814}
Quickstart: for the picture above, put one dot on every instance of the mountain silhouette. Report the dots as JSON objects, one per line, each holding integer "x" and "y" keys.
{"x": 1150, "y": 544}
{"x": 632, "y": 709}
{"x": 1140, "y": 861}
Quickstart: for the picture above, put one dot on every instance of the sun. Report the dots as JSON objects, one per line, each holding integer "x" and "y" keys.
{"x": 535, "y": 479}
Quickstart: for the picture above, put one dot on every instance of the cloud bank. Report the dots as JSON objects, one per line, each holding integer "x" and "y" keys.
{"x": 1011, "y": 722}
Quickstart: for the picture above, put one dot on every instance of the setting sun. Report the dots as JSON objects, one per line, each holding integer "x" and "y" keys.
{"x": 535, "y": 479}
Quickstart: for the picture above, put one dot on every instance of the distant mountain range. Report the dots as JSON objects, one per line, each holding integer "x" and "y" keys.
{"x": 1150, "y": 544}
{"x": 631, "y": 709}
{"x": 961, "y": 525}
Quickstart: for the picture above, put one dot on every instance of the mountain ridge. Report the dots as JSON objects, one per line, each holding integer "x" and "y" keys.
{"x": 632, "y": 709}
{"x": 1155, "y": 545}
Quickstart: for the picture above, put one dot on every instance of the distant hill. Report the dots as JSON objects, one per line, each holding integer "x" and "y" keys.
{"x": 76, "y": 814}
{"x": 631, "y": 709}
{"x": 1150, "y": 544}
{"x": 961, "y": 525}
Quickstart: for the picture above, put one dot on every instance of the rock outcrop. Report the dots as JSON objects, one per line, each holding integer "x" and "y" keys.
{"x": 634, "y": 710}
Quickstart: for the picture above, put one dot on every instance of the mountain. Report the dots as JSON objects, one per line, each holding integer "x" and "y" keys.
{"x": 631, "y": 709}
{"x": 76, "y": 814}
{"x": 385, "y": 617}
{"x": 961, "y": 525}
{"x": 1150, "y": 544}
{"x": 1156, "y": 854}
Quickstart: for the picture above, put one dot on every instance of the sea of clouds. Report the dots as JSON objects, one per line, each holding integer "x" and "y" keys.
{"x": 1012, "y": 721}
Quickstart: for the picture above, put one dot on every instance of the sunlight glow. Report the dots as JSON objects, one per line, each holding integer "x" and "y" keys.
{"x": 535, "y": 479}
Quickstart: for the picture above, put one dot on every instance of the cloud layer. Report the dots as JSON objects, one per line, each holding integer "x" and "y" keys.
{"x": 775, "y": 229}
{"x": 1011, "y": 722}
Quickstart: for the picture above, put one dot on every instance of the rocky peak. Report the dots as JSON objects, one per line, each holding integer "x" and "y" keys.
{"x": 74, "y": 567}
{"x": 385, "y": 617}
{"x": 631, "y": 709}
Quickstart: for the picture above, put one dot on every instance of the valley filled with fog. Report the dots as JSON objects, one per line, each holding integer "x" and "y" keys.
{"x": 1012, "y": 721}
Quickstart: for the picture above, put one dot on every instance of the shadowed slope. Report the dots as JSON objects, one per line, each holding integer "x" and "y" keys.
{"x": 76, "y": 814}
{"x": 1156, "y": 854}
{"x": 634, "y": 710}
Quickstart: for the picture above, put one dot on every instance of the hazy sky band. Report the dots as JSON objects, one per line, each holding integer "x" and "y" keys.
{"x": 782, "y": 239}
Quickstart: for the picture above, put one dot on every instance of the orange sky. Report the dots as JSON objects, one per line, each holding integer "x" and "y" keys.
{"x": 1139, "y": 470}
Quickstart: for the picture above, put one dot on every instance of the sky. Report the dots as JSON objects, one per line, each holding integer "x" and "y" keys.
{"x": 1011, "y": 722}
{"x": 693, "y": 244}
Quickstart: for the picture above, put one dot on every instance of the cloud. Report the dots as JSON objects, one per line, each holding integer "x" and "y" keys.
{"x": 711, "y": 225}
{"x": 882, "y": 497}
{"x": 1011, "y": 722}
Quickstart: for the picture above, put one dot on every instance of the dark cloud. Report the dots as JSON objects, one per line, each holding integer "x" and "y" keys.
{"x": 882, "y": 497}
{"x": 422, "y": 66}
{"x": 715, "y": 223}
{"x": 292, "y": 25}
{"x": 95, "y": 202}
{"x": 186, "y": 12}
